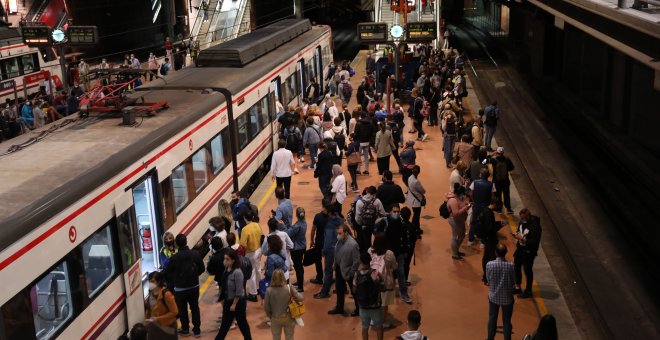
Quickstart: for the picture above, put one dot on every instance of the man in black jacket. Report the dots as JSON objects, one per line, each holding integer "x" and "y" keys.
{"x": 365, "y": 132}
{"x": 529, "y": 239}
{"x": 389, "y": 192}
{"x": 392, "y": 226}
{"x": 486, "y": 228}
{"x": 323, "y": 170}
{"x": 184, "y": 270}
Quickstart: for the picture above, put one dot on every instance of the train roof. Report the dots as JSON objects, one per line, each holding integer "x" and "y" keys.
{"x": 45, "y": 178}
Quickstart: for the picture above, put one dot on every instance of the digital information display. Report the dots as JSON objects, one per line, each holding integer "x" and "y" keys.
{"x": 82, "y": 35}
{"x": 421, "y": 31}
{"x": 372, "y": 32}
{"x": 39, "y": 35}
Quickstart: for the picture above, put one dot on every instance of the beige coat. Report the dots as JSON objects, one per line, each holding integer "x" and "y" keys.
{"x": 384, "y": 143}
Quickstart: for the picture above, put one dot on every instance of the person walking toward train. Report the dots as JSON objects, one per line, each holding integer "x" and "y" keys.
{"x": 235, "y": 304}
{"x": 311, "y": 139}
{"x": 281, "y": 167}
{"x": 250, "y": 240}
{"x": 184, "y": 270}
{"x": 161, "y": 309}
{"x": 501, "y": 279}
{"x": 297, "y": 234}
{"x": 276, "y": 305}
{"x": 528, "y": 236}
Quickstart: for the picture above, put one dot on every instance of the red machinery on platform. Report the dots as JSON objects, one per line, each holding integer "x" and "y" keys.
{"x": 113, "y": 98}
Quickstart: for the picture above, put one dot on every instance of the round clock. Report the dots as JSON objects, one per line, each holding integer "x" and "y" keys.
{"x": 396, "y": 31}
{"x": 58, "y": 35}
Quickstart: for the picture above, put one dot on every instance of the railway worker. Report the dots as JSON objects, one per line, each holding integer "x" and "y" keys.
{"x": 389, "y": 192}
{"x": 161, "y": 308}
{"x": 311, "y": 140}
{"x": 276, "y": 305}
{"x": 501, "y": 278}
{"x": 235, "y": 305}
{"x": 392, "y": 226}
{"x": 317, "y": 235}
{"x": 184, "y": 270}
{"x": 323, "y": 170}
{"x": 282, "y": 166}
{"x": 249, "y": 239}
{"x": 168, "y": 250}
{"x": 297, "y": 234}
{"x": 384, "y": 145}
{"x": 528, "y": 236}
{"x": 330, "y": 235}
{"x": 502, "y": 165}
{"x": 347, "y": 258}
{"x": 482, "y": 191}
{"x": 491, "y": 116}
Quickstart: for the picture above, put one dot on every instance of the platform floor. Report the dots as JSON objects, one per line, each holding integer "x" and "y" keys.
{"x": 448, "y": 293}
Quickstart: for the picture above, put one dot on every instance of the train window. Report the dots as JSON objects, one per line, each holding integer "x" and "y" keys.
{"x": 167, "y": 201}
{"x": 199, "y": 169}
{"x": 217, "y": 155}
{"x": 99, "y": 260}
{"x": 27, "y": 63}
{"x": 326, "y": 55}
{"x": 226, "y": 150}
{"x": 180, "y": 187}
{"x": 127, "y": 238}
{"x": 52, "y": 303}
{"x": 243, "y": 137}
{"x": 17, "y": 320}
{"x": 262, "y": 109}
{"x": 291, "y": 86}
{"x": 254, "y": 121}
{"x": 10, "y": 68}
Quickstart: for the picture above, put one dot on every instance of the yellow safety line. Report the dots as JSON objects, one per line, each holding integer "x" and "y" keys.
{"x": 538, "y": 300}
{"x": 261, "y": 204}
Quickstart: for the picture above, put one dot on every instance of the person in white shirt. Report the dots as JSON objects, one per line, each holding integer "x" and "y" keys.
{"x": 281, "y": 167}
{"x": 338, "y": 187}
{"x": 332, "y": 109}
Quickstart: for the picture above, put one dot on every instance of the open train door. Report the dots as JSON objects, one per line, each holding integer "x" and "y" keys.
{"x": 131, "y": 262}
{"x": 275, "y": 95}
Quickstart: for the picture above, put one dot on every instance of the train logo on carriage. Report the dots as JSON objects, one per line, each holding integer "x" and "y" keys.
{"x": 73, "y": 234}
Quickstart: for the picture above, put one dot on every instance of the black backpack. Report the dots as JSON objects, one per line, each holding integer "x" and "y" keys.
{"x": 444, "y": 210}
{"x": 292, "y": 139}
{"x": 368, "y": 212}
{"x": 501, "y": 170}
{"x": 367, "y": 291}
{"x": 331, "y": 145}
{"x": 246, "y": 268}
{"x": 340, "y": 138}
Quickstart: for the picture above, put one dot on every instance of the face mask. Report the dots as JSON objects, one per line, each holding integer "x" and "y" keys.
{"x": 226, "y": 263}
{"x": 152, "y": 286}
{"x": 169, "y": 243}
{"x": 396, "y": 216}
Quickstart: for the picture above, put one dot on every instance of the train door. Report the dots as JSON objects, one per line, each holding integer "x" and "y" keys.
{"x": 148, "y": 227}
{"x": 301, "y": 79}
{"x": 318, "y": 66}
{"x": 275, "y": 95}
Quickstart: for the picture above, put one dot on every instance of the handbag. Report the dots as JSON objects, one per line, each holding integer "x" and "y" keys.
{"x": 311, "y": 256}
{"x": 353, "y": 158}
{"x": 263, "y": 286}
{"x": 422, "y": 202}
{"x": 296, "y": 308}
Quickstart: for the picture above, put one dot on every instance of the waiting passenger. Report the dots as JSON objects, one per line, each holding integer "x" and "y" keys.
{"x": 162, "y": 309}
{"x": 235, "y": 304}
{"x": 276, "y": 305}
{"x": 297, "y": 234}
{"x": 413, "y": 333}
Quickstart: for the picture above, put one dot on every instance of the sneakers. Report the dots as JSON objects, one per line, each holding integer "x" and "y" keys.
{"x": 406, "y": 299}
{"x": 184, "y": 332}
{"x": 335, "y": 311}
{"x": 197, "y": 335}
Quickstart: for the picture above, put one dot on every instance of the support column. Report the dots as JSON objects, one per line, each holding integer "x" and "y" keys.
{"x": 170, "y": 17}
{"x": 65, "y": 75}
{"x": 298, "y": 8}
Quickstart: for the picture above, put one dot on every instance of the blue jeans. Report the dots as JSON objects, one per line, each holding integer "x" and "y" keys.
{"x": 328, "y": 263}
{"x": 490, "y": 132}
{"x": 448, "y": 145}
{"x": 493, "y": 312}
{"x": 313, "y": 153}
{"x": 401, "y": 274}
{"x": 364, "y": 149}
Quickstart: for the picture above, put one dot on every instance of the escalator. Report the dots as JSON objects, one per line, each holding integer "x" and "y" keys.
{"x": 52, "y": 13}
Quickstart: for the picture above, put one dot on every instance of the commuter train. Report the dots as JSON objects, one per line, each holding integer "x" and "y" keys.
{"x": 25, "y": 66}
{"x": 84, "y": 210}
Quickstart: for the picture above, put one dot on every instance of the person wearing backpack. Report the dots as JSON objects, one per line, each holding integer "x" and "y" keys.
{"x": 416, "y": 192}
{"x": 413, "y": 333}
{"x": 165, "y": 67}
{"x": 528, "y": 238}
{"x": 502, "y": 165}
{"x": 161, "y": 308}
{"x": 311, "y": 139}
{"x": 384, "y": 262}
{"x": 392, "y": 228}
{"x": 275, "y": 257}
{"x": 368, "y": 286}
{"x": 274, "y": 228}
{"x": 293, "y": 138}
{"x": 491, "y": 115}
{"x": 184, "y": 270}
{"x": 345, "y": 90}
{"x": 367, "y": 210}
{"x": 458, "y": 211}
{"x": 482, "y": 191}
{"x": 347, "y": 257}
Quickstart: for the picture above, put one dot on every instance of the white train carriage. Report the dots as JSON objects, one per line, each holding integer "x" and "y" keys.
{"x": 83, "y": 211}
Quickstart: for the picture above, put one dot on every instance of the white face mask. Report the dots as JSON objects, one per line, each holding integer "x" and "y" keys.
{"x": 152, "y": 286}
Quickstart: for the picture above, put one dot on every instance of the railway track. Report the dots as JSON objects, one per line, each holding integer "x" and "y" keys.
{"x": 582, "y": 227}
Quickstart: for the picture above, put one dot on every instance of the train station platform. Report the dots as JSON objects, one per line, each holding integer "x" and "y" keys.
{"x": 448, "y": 293}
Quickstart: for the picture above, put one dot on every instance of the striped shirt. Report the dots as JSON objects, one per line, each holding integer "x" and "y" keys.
{"x": 501, "y": 279}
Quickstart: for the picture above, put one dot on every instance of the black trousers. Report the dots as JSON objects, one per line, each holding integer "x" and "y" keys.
{"x": 408, "y": 259}
{"x": 319, "y": 266}
{"x": 364, "y": 236}
{"x": 525, "y": 261}
{"x": 417, "y": 212}
{"x": 395, "y": 153}
{"x": 284, "y": 182}
{"x": 340, "y": 286}
{"x": 433, "y": 116}
{"x": 488, "y": 255}
{"x": 228, "y": 317}
{"x": 405, "y": 174}
{"x": 184, "y": 299}
{"x": 297, "y": 258}
{"x": 502, "y": 193}
{"x": 418, "y": 126}
{"x": 383, "y": 164}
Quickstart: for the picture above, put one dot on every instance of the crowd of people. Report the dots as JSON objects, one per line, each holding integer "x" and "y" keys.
{"x": 361, "y": 245}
